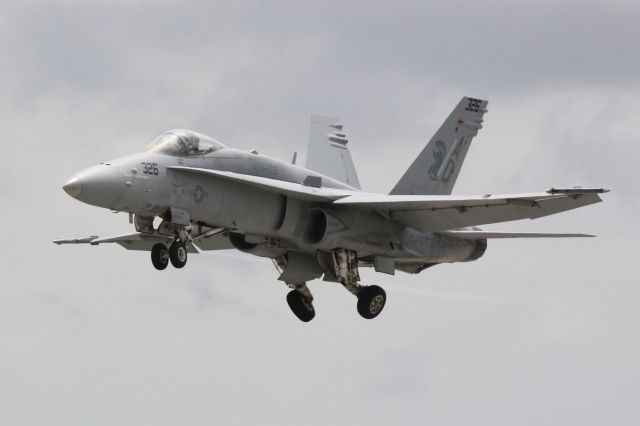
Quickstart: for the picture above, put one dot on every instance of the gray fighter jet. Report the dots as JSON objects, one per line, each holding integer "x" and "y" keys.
{"x": 188, "y": 193}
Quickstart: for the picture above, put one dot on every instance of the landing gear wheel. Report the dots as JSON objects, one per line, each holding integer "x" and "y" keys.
{"x": 301, "y": 306}
{"x": 159, "y": 256}
{"x": 178, "y": 254}
{"x": 371, "y": 301}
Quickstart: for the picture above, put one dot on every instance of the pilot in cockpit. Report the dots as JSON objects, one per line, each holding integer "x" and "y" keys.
{"x": 188, "y": 144}
{"x": 184, "y": 143}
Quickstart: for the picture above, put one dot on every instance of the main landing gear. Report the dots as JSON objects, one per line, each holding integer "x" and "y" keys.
{"x": 300, "y": 301}
{"x": 176, "y": 253}
{"x": 339, "y": 266}
{"x": 371, "y": 300}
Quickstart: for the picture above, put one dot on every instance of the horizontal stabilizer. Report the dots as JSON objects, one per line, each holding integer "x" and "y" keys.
{"x": 272, "y": 185}
{"x": 475, "y": 235}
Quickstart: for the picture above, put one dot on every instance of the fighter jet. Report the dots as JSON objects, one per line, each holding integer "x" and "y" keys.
{"x": 187, "y": 193}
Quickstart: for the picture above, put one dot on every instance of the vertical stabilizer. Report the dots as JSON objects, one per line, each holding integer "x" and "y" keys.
{"x": 328, "y": 152}
{"x": 435, "y": 170}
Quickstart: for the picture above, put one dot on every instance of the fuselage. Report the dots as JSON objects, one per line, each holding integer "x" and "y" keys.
{"x": 144, "y": 184}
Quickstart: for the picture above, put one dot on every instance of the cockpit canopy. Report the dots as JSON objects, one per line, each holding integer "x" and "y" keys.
{"x": 184, "y": 143}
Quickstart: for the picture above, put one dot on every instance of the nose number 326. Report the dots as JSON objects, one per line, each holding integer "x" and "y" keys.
{"x": 150, "y": 168}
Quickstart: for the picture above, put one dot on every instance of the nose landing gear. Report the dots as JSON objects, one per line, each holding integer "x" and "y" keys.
{"x": 176, "y": 253}
{"x": 159, "y": 256}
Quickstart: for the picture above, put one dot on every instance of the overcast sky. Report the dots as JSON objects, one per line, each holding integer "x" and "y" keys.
{"x": 538, "y": 332}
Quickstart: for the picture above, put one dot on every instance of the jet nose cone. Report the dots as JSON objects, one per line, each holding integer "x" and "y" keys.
{"x": 73, "y": 187}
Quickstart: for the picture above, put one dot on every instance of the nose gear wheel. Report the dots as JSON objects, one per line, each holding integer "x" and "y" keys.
{"x": 178, "y": 254}
{"x": 160, "y": 256}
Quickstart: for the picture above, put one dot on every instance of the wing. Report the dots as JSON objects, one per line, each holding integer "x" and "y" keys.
{"x": 297, "y": 190}
{"x": 86, "y": 240}
{"x": 328, "y": 153}
{"x": 144, "y": 242}
{"x": 439, "y": 213}
{"x": 138, "y": 241}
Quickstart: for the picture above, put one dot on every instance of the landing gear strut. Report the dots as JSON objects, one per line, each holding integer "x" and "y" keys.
{"x": 342, "y": 266}
{"x": 161, "y": 255}
{"x": 339, "y": 266}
